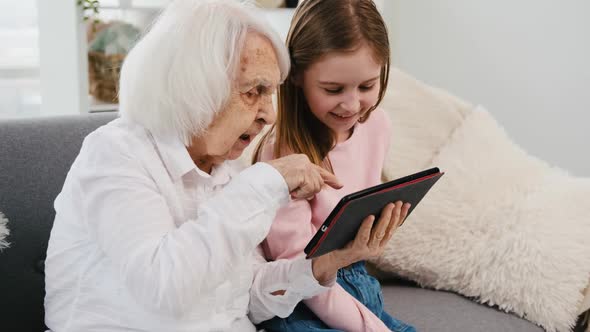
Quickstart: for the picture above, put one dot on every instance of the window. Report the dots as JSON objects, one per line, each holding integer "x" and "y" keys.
{"x": 19, "y": 59}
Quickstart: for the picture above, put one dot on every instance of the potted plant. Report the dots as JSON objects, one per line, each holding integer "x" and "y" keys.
{"x": 90, "y": 8}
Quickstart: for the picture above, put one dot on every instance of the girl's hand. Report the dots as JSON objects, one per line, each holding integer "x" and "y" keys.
{"x": 369, "y": 242}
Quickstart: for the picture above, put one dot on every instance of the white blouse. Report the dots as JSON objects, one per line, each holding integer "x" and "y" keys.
{"x": 145, "y": 241}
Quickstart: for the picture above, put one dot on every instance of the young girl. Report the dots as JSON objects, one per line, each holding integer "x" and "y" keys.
{"x": 327, "y": 110}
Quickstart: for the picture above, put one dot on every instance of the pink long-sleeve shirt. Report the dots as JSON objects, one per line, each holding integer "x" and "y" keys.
{"x": 357, "y": 162}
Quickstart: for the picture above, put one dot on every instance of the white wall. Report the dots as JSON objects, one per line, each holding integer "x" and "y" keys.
{"x": 527, "y": 62}
{"x": 64, "y": 61}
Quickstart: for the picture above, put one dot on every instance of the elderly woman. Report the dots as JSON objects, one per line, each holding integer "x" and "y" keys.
{"x": 155, "y": 230}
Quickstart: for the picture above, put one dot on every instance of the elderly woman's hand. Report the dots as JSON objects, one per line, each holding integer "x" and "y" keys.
{"x": 369, "y": 242}
{"x": 303, "y": 178}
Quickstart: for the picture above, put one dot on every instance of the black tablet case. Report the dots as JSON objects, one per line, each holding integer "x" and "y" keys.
{"x": 343, "y": 223}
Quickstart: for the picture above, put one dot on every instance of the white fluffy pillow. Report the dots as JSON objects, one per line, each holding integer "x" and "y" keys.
{"x": 3, "y": 231}
{"x": 501, "y": 226}
{"x": 423, "y": 119}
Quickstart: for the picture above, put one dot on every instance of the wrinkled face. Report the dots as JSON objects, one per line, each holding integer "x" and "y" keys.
{"x": 249, "y": 107}
{"x": 341, "y": 87}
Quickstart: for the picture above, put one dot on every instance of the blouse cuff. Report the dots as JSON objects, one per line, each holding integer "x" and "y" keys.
{"x": 304, "y": 283}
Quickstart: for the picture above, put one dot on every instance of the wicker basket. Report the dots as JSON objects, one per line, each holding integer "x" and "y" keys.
{"x": 103, "y": 75}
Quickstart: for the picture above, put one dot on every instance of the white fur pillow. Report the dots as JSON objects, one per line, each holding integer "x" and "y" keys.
{"x": 501, "y": 226}
{"x": 423, "y": 119}
{"x": 3, "y": 231}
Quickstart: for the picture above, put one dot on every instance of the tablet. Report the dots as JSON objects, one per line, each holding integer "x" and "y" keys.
{"x": 343, "y": 223}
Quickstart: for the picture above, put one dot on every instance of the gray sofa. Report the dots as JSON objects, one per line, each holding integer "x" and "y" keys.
{"x": 35, "y": 156}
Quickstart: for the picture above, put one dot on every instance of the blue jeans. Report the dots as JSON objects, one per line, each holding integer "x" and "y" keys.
{"x": 358, "y": 283}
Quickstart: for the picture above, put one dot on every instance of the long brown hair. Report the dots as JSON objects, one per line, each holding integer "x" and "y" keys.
{"x": 320, "y": 27}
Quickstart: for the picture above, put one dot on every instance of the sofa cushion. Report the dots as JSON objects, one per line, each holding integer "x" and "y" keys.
{"x": 441, "y": 311}
{"x": 501, "y": 226}
{"x": 36, "y": 155}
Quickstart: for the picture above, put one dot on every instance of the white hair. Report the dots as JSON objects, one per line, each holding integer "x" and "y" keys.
{"x": 180, "y": 74}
